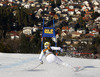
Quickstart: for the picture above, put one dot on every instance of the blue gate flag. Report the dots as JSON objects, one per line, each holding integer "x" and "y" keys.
{"x": 48, "y": 32}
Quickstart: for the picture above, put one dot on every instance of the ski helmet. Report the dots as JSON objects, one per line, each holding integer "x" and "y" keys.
{"x": 46, "y": 44}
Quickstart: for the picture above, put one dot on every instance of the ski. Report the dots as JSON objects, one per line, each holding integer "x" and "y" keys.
{"x": 76, "y": 69}
{"x": 36, "y": 66}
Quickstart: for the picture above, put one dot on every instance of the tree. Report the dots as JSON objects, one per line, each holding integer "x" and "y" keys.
{"x": 81, "y": 47}
{"x": 95, "y": 15}
{"x": 98, "y": 48}
{"x": 94, "y": 48}
{"x": 18, "y": 17}
{"x": 87, "y": 30}
{"x": 89, "y": 49}
{"x": 25, "y": 45}
{"x": 36, "y": 43}
{"x": 22, "y": 17}
{"x": 58, "y": 2}
{"x": 81, "y": 23}
{"x": 96, "y": 41}
{"x": 13, "y": 45}
{"x": 6, "y": 16}
{"x": 4, "y": 47}
{"x": 53, "y": 4}
{"x": 33, "y": 19}
{"x": 25, "y": 21}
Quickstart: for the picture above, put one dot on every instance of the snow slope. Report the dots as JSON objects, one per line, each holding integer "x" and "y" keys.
{"x": 20, "y": 65}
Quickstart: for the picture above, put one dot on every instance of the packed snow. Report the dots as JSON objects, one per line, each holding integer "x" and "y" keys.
{"x": 22, "y": 65}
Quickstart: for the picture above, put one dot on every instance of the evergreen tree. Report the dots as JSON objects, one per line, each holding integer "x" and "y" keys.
{"x": 96, "y": 41}
{"x": 22, "y": 17}
{"x": 33, "y": 20}
{"x": 36, "y": 43}
{"x": 53, "y": 4}
{"x": 82, "y": 23}
{"x": 58, "y": 2}
{"x": 25, "y": 46}
{"x": 25, "y": 21}
{"x": 18, "y": 17}
{"x": 6, "y": 16}
{"x": 4, "y": 48}
{"x": 95, "y": 15}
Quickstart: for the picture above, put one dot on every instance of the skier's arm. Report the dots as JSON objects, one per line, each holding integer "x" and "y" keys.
{"x": 41, "y": 56}
{"x": 57, "y": 48}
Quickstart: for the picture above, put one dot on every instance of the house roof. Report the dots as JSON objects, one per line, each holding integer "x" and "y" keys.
{"x": 65, "y": 28}
{"x": 67, "y": 7}
{"x": 4, "y": 2}
{"x": 76, "y": 33}
{"x": 85, "y": 18}
{"x": 71, "y": 9}
{"x": 31, "y": 1}
{"x": 13, "y": 33}
{"x": 89, "y": 34}
{"x": 14, "y": 6}
{"x": 95, "y": 29}
{"x": 89, "y": 12}
{"x": 82, "y": 6}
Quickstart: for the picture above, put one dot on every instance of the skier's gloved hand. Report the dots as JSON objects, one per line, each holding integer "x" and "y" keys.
{"x": 61, "y": 50}
{"x": 41, "y": 62}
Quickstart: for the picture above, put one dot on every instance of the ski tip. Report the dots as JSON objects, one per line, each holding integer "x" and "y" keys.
{"x": 76, "y": 69}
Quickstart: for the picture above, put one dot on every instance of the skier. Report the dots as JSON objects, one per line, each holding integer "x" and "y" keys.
{"x": 50, "y": 57}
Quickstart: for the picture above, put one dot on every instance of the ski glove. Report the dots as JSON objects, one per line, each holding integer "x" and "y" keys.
{"x": 41, "y": 62}
{"x": 61, "y": 50}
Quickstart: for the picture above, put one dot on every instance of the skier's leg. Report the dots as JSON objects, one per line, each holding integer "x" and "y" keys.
{"x": 60, "y": 62}
{"x": 51, "y": 58}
